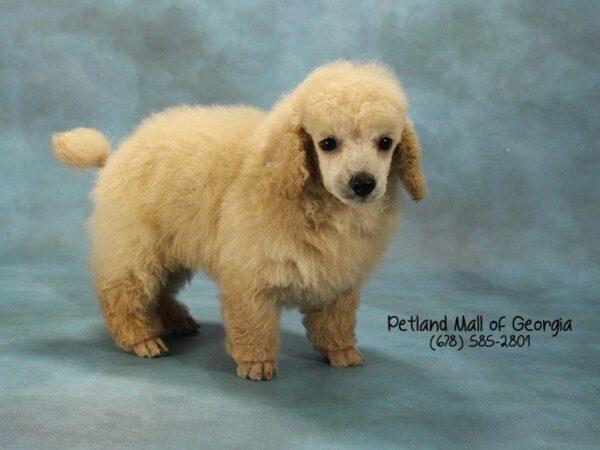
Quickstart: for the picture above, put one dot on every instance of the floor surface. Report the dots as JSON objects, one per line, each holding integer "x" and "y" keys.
{"x": 64, "y": 384}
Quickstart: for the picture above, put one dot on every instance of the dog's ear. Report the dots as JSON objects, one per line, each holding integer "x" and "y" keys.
{"x": 406, "y": 162}
{"x": 284, "y": 150}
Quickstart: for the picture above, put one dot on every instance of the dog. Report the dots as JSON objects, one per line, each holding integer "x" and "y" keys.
{"x": 292, "y": 207}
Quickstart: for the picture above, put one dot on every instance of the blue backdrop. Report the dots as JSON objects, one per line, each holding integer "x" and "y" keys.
{"x": 505, "y": 99}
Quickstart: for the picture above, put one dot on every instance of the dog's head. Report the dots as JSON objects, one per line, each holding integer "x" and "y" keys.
{"x": 353, "y": 118}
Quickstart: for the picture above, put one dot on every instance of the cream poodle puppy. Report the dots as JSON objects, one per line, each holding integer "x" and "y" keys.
{"x": 290, "y": 207}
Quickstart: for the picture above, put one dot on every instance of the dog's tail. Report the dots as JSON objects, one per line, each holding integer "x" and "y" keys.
{"x": 81, "y": 148}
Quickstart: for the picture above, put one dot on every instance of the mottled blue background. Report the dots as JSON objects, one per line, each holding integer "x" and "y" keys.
{"x": 505, "y": 98}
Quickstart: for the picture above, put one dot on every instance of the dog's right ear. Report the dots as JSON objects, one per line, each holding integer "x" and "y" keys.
{"x": 284, "y": 149}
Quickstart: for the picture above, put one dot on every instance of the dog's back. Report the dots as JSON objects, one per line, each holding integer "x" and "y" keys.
{"x": 168, "y": 176}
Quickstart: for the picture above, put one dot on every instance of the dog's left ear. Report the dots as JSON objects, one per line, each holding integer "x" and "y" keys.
{"x": 406, "y": 162}
{"x": 284, "y": 150}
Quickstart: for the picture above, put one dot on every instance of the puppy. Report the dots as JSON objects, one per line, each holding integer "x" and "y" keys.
{"x": 290, "y": 207}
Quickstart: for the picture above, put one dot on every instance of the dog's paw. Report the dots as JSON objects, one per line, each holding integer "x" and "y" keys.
{"x": 183, "y": 325}
{"x": 345, "y": 358}
{"x": 257, "y": 371}
{"x": 151, "y": 348}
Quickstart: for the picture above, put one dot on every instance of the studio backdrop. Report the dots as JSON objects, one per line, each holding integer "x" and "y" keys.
{"x": 504, "y": 97}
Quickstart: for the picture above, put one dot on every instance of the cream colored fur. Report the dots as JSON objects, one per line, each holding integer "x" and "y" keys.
{"x": 238, "y": 192}
{"x": 81, "y": 148}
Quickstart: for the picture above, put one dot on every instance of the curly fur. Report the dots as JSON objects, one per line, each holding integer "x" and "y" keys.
{"x": 407, "y": 163}
{"x": 237, "y": 192}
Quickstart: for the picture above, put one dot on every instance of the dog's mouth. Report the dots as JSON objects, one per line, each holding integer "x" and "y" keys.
{"x": 350, "y": 198}
{"x": 364, "y": 198}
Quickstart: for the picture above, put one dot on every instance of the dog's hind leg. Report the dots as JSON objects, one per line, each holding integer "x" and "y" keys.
{"x": 129, "y": 305}
{"x": 174, "y": 316}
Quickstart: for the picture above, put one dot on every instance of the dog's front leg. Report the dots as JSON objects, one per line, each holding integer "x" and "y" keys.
{"x": 252, "y": 325}
{"x": 331, "y": 330}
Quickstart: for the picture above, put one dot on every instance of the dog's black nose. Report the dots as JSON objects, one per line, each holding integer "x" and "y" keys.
{"x": 362, "y": 184}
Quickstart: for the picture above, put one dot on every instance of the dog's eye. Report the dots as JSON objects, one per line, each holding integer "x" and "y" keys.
{"x": 385, "y": 143}
{"x": 328, "y": 144}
